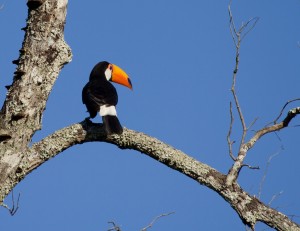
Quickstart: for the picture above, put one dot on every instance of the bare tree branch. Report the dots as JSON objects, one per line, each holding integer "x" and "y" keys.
{"x": 233, "y": 173}
{"x": 115, "y": 226}
{"x": 250, "y": 24}
{"x": 251, "y": 167}
{"x": 42, "y": 56}
{"x": 14, "y": 207}
{"x": 281, "y": 111}
{"x": 250, "y": 211}
{"x": 238, "y": 35}
{"x": 274, "y": 197}
{"x": 241, "y": 33}
{"x": 155, "y": 219}
{"x": 233, "y": 30}
{"x": 252, "y": 123}
{"x": 265, "y": 174}
{"x": 229, "y": 142}
{"x": 276, "y": 127}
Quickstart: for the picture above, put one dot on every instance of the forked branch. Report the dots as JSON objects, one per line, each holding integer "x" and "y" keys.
{"x": 284, "y": 106}
{"x": 14, "y": 207}
{"x": 233, "y": 173}
{"x": 250, "y": 211}
{"x": 18, "y": 158}
{"x": 237, "y": 35}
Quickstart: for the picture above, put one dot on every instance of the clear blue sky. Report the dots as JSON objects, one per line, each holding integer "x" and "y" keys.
{"x": 180, "y": 57}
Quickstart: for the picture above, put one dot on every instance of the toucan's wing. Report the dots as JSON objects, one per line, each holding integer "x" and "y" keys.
{"x": 90, "y": 104}
{"x": 103, "y": 94}
{"x": 95, "y": 95}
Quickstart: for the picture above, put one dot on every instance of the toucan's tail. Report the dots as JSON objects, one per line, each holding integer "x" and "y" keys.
{"x": 112, "y": 124}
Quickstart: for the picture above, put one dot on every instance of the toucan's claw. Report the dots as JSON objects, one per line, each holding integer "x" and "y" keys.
{"x": 88, "y": 120}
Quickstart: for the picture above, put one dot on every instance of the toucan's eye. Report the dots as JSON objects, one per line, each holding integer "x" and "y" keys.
{"x": 110, "y": 67}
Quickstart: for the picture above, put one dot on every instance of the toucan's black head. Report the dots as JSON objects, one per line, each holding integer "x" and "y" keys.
{"x": 110, "y": 72}
{"x": 99, "y": 70}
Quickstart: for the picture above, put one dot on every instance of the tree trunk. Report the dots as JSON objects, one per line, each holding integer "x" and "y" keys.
{"x": 42, "y": 56}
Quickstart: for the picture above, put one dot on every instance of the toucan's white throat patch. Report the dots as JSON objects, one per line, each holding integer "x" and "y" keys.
{"x": 108, "y": 110}
{"x": 108, "y": 74}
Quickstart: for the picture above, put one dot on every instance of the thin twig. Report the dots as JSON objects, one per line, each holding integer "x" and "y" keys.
{"x": 281, "y": 111}
{"x": 115, "y": 226}
{"x": 252, "y": 123}
{"x": 266, "y": 171}
{"x": 251, "y": 167}
{"x": 298, "y": 125}
{"x": 230, "y": 143}
{"x": 233, "y": 30}
{"x": 253, "y": 21}
{"x": 234, "y": 171}
{"x": 276, "y": 127}
{"x": 275, "y": 197}
{"x": 238, "y": 36}
{"x": 14, "y": 208}
{"x": 293, "y": 216}
{"x": 155, "y": 219}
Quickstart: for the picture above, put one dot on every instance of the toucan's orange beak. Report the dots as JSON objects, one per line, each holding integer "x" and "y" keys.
{"x": 119, "y": 76}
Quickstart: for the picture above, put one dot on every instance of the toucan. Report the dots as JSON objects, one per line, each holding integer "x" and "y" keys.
{"x": 100, "y": 96}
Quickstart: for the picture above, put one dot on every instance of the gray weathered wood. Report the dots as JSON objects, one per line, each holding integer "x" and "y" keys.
{"x": 43, "y": 54}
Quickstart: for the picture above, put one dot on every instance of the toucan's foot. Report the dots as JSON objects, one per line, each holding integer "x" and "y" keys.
{"x": 88, "y": 120}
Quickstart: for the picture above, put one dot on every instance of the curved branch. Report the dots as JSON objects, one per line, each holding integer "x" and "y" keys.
{"x": 249, "y": 208}
{"x": 87, "y": 131}
{"x": 234, "y": 171}
{"x": 281, "y": 111}
{"x": 43, "y": 54}
{"x": 276, "y": 127}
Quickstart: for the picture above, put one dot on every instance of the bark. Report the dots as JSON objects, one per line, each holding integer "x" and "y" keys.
{"x": 43, "y": 54}
{"x": 249, "y": 208}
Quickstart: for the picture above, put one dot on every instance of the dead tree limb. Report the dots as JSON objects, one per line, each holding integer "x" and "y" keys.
{"x": 155, "y": 219}
{"x": 42, "y": 56}
{"x": 248, "y": 207}
{"x": 237, "y": 36}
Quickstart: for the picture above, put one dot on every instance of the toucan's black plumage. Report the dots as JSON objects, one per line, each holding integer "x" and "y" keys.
{"x": 100, "y": 96}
